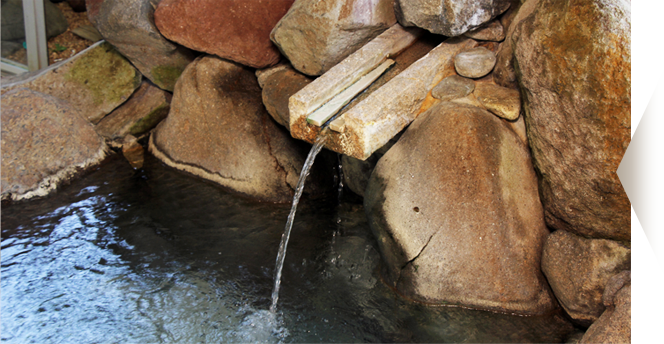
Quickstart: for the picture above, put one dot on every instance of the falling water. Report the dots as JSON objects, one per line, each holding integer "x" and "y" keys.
{"x": 318, "y": 145}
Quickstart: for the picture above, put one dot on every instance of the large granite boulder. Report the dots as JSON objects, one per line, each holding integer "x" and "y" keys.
{"x": 315, "y": 35}
{"x": 218, "y": 129}
{"x": 573, "y": 63}
{"x": 94, "y": 81}
{"x": 578, "y": 270}
{"x": 449, "y": 18}
{"x": 45, "y": 141}
{"x": 237, "y": 30}
{"x": 13, "y": 25}
{"x": 455, "y": 209}
{"x": 140, "y": 113}
{"x": 129, "y": 26}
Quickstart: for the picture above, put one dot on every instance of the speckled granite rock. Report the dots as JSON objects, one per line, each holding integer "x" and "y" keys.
{"x": 578, "y": 111}
{"x": 456, "y": 213}
{"x": 449, "y": 18}
{"x": 316, "y": 35}
{"x": 94, "y": 81}
{"x": 45, "y": 141}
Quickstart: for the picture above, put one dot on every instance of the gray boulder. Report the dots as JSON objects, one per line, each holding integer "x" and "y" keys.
{"x": 129, "y": 26}
{"x": 449, "y": 18}
{"x": 573, "y": 63}
{"x": 456, "y": 213}
{"x": 316, "y": 35}
{"x": 578, "y": 270}
{"x": 45, "y": 142}
{"x": 218, "y": 129}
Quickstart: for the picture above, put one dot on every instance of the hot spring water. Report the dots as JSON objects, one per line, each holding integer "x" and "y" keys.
{"x": 160, "y": 256}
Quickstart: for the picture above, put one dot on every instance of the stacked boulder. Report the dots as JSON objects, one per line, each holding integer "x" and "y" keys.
{"x": 502, "y": 193}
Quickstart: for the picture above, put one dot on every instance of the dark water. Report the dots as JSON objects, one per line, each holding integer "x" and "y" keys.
{"x": 157, "y": 256}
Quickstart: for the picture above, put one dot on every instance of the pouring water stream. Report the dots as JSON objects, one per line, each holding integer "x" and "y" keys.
{"x": 318, "y": 145}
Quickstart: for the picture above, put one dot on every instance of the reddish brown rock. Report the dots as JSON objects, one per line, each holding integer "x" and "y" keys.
{"x": 133, "y": 151}
{"x": 456, "y": 213}
{"x": 45, "y": 141}
{"x": 573, "y": 64}
{"x": 218, "y": 129}
{"x": 237, "y": 30}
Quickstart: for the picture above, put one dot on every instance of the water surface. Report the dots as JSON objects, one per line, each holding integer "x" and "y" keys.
{"x": 159, "y": 256}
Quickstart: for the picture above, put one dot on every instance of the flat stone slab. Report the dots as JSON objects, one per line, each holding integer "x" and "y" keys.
{"x": 475, "y": 63}
{"x": 95, "y": 81}
{"x": 45, "y": 141}
{"x": 372, "y": 122}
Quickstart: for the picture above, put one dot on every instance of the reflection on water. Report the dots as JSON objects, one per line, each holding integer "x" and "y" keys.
{"x": 157, "y": 256}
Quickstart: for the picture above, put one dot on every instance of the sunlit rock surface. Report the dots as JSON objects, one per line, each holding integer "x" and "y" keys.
{"x": 455, "y": 209}
{"x": 129, "y": 26}
{"x": 573, "y": 64}
{"x": 218, "y": 129}
{"x": 45, "y": 141}
{"x": 449, "y": 18}
{"x": 315, "y": 35}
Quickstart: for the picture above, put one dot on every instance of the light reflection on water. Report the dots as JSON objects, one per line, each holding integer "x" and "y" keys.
{"x": 157, "y": 256}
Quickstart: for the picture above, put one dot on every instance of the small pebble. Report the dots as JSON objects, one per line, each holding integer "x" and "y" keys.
{"x": 501, "y": 101}
{"x": 453, "y": 87}
{"x": 475, "y": 63}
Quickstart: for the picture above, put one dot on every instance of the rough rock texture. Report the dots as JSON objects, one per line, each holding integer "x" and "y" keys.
{"x": 615, "y": 324}
{"x": 504, "y": 73}
{"x": 218, "y": 129}
{"x": 501, "y": 101}
{"x": 357, "y": 172}
{"x": 491, "y": 31}
{"x": 13, "y": 25}
{"x": 574, "y": 67}
{"x": 475, "y": 63}
{"x": 449, "y": 18}
{"x": 578, "y": 270}
{"x": 278, "y": 84}
{"x": 95, "y": 81}
{"x": 140, "y": 113}
{"x": 129, "y": 26}
{"x": 455, "y": 210}
{"x": 316, "y": 35}
{"x": 45, "y": 141}
{"x": 453, "y": 87}
{"x": 236, "y": 30}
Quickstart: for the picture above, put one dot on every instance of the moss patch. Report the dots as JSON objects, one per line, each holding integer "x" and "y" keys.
{"x": 106, "y": 73}
{"x": 151, "y": 120}
{"x": 166, "y": 76}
